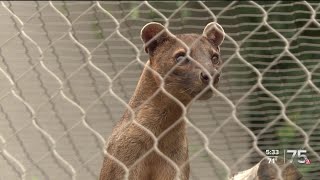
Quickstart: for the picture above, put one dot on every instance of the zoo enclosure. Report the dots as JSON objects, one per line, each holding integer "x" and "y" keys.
{"x": 56, "y": 108}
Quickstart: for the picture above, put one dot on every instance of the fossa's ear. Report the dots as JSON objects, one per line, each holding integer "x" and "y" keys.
{"x": 152, "y": 35}
{"x": 214, "y": 33}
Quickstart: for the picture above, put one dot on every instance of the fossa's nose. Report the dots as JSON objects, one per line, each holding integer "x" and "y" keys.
{"x": 205, "y": 77}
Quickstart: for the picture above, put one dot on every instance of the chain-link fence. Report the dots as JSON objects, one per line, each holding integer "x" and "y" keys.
{"x": 58, "y": 60}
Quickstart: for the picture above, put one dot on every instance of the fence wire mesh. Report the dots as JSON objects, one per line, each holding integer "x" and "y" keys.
{"x": 58, "y": 60}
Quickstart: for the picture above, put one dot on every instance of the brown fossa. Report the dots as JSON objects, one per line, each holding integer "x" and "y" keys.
{"x": 185, "y": 75}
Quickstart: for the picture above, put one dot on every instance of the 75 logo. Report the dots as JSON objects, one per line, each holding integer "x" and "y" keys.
{"x": 301, "y": 153}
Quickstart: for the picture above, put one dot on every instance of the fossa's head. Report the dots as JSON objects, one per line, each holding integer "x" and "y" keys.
{"x": 185, "y": 77}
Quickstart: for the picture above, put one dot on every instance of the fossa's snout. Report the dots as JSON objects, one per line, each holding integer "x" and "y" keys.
{"x": 205, "y": 77}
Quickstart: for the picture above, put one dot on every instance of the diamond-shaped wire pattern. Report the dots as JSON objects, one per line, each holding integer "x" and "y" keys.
{"x": 69, "y": 68}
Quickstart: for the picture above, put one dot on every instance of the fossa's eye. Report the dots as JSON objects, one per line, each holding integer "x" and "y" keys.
{"x": 215, "y": 59}
{"x": 180, "y": 57}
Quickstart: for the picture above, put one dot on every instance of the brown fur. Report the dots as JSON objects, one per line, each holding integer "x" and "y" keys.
{"x": 156, "y": 111}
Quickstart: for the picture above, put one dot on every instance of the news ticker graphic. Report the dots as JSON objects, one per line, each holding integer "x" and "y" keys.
{"x": 295, "y": 155}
